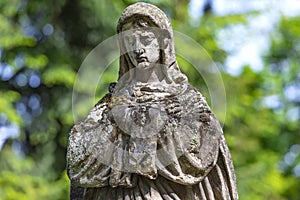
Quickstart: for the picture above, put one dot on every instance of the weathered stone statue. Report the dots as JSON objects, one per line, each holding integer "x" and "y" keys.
{"x": 153, "y": 136}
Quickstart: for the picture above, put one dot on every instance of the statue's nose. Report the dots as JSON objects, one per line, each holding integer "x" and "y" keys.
{"x": 139, "y": 51}
{"x": 138, "y": 46}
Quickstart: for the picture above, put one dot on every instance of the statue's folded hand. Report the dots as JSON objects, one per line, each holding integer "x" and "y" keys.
{"x": 174, "y": 108}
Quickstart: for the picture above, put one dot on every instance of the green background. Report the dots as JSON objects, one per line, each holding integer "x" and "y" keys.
{"x": 42, "y": 45}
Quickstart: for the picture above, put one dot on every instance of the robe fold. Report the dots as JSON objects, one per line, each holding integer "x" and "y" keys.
{"x": 165, "y": 146}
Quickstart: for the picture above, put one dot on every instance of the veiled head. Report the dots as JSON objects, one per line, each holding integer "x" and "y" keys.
{"x": 146, "y": 38}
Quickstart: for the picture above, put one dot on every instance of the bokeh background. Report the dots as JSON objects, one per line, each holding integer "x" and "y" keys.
{"x": 255, "y": 44}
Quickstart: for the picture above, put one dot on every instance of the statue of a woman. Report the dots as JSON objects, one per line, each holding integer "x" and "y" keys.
{"x": 153, "y": 136}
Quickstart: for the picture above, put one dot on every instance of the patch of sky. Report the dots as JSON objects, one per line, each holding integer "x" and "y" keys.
{"x": 246, "y": 44}
{"x": 8, "y": 131}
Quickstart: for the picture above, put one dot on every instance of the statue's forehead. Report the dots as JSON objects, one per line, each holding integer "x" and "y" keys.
{"x": 136, "y": 22}
{"x": 139, "y": 31}
{"x": 127, "y": 26}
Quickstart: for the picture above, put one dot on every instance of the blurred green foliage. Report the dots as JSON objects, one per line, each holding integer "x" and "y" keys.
{"x": 42, "y": 45}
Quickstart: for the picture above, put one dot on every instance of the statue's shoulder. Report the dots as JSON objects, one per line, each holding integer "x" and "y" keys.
{"x": 107, "y": 98}
{"x": 103, "y": 102}
{"x": 98, "y": 113}
{"x": 100, "y": 109}
{"x": 192, "y": 95}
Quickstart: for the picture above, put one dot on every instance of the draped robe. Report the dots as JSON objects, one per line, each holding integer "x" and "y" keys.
{"x": 179, "y": 153}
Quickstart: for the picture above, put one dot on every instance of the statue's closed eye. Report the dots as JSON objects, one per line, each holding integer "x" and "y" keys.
{"x": 130, "y": 39}
{"x": 146, "y": 40}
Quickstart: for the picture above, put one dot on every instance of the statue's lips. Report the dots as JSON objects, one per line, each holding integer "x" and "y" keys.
{"x": 141, "y": 59}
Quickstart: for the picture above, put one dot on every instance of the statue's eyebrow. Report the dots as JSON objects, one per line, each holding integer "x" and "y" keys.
{"x": 148, "y": 34}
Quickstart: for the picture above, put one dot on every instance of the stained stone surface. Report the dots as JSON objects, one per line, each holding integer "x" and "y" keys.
{"x": 153, "y": 136}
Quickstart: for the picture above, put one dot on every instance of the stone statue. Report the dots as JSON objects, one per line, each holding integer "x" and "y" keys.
{"x": 153, "y": 136}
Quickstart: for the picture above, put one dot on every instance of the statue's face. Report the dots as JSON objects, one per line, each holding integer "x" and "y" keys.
{"x": 142, "y": 47}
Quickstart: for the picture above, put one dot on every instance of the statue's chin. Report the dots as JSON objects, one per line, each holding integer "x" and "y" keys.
{"x": 144, "y": 65}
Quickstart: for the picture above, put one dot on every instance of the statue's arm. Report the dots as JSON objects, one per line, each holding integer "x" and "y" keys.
{"x": 89, "y": 150}
{"x": 195, "y": 140}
